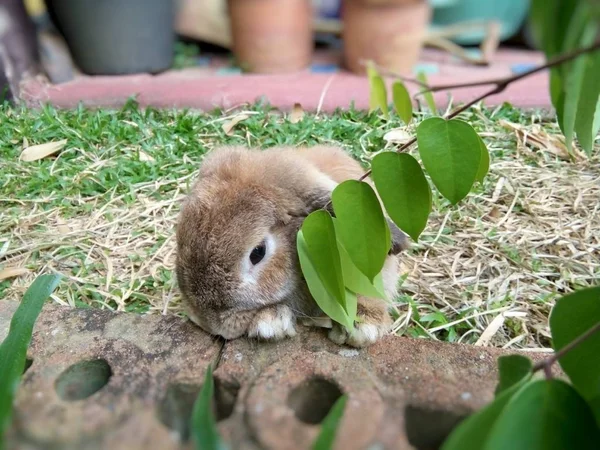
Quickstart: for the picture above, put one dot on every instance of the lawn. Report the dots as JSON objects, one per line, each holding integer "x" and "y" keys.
{"x": 102, "y": 212}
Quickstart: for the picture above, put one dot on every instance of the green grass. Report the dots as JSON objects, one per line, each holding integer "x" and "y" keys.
{"x": 103, "y": 212}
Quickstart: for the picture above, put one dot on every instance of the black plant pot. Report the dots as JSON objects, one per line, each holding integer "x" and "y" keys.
{"x": 113, "y": 37}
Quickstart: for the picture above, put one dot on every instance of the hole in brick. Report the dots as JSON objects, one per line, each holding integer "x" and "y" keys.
{"x": 226, "y": 393}
{"x": 28, "y": 363}
{"x": 83, "y": 379}
{"x": 312, "y": 400}
{"x": 176, "y": 407}
{"x": 427, "y": 428}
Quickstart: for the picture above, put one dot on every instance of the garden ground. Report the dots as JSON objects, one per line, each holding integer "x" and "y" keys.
{"x": 102, "y": 212}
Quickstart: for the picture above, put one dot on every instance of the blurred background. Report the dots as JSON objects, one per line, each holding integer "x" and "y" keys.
{"x": 65, "y": 39}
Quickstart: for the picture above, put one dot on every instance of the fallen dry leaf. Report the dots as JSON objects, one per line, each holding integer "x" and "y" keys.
{"x": 12, "y": 272}
{"x": 40, "y": 151}
{"x": 25, "y": 143}
{"x": 397, "y": 135}
{"x": 145, "y": 156}
{"x": 230, "y": 125}
{"x": 297, "y": 113}
{"x": 538, "y": 138}
{"x": 62, "y": 226}
{"x": 495, "y": 325}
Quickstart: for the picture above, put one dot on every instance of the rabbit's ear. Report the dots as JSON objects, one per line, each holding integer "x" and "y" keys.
{"x": 321, "y": 199}
{"x": 318, "y": 199}
{"x": 399, "y": 239}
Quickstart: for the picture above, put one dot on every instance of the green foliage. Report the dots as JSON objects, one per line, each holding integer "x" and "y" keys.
{"x": 561, "y": 26}
{"x": 454, "y": 156}
{"x": 354, "y": 280}
{"x": 13, "y": 350}
{"x": 484, "y": 162}
{"x": 321, "y": 242}
{"x": 378, "y": 98}
{"x": 402, "y": 101}
{"x": 545, "y": 415}
{"x": 404, "y": 191}
{"x": 474, "y": 431}
{"x": 329, "y": 428}
{"x": 572, "y": 316}
{"x": 532, "y": 414}
{"x": 588, "y": 108}
{"x": 427, "y": 94}
{"x": 328, "y": 304}
{"x": 205, "y": 434}
{"x": 362, "y": 228}
{"x": 451, "y": 153}
{"x": 512, "y": 370}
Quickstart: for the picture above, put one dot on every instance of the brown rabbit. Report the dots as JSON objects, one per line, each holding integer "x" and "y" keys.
{"x": 237, "y": 264}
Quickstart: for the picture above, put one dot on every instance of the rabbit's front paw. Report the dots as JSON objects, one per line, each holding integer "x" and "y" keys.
{"x": 363, "y": 335}
{"x": 273, "y": 322}
{"x": 373, "y": 323}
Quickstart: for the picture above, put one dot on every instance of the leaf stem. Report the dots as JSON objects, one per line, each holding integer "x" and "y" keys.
{"x": 452, "y": 114}
{"x": 547, "y": 363}
{"x": 500, "y": 85}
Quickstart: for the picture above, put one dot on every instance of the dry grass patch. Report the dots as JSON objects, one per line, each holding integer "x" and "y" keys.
{"x": 103, "y": 214}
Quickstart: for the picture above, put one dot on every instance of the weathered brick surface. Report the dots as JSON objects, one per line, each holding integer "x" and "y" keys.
{"x": 145, "y": 355}
{"x": 403, "y": 393}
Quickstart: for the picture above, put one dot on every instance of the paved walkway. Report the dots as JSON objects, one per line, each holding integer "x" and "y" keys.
{"x": 323, "y": 87}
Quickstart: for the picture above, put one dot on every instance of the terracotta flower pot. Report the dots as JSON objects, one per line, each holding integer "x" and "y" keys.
{"x": 271, "y": 36}
{"x": 388, "y": 32}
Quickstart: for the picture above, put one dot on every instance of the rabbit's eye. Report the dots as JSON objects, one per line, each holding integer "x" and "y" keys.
{"x": 258, "y": 253}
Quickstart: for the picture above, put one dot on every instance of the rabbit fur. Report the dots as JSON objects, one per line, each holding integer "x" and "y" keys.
{"x": 247, "y": 203}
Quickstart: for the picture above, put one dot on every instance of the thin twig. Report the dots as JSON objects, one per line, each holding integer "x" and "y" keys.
{"x": 453, "y": 114}
{"x": 388, "y": 73}
{"x": 547, "y": 363}
{"x": 502, "y": 83}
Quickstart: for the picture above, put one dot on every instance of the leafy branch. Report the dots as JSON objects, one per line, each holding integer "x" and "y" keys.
{"x": 13, "y": 350}
{"x": 547, "y": 363}
{"x": 503, "y": 83}
{"x": 452, "y": 153}
{"x": 540, "y": 414}
{"x": 500, "y": 85}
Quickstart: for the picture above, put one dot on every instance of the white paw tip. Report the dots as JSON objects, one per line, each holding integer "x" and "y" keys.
{"x": 367, "y": 332}
{"x": 277, "y": 327}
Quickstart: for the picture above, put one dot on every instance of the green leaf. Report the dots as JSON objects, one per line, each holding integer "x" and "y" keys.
{"x": 588, "y": 103}
{"x": 402, "y": 101}
{"x": 319, "y": 234}
{"x": 13, "y": 350}
{"x": 596, "y": 125}
{"x": 484, "y": 163}
{"x": 557, "y": 95}
{"x": 329, "y": 427}
{"x": 378, "y": 92}
{"x": 451, "y": 153}
{"x": 595, "y": 405}
{"x": 512, "y": 369}
{"x": 545, "y": 415}
{"x": 573, "y": 87}
{"x": 573, "y": 315}
{"x": 428, "y": 94}
{"x": 355, "y": 280}
{"x": 328, "y": 304}
{"x": 404, "y": 191}
{"x": 550, "y": 20}
{"x": 362, "y": 226}
{"x": 205, "y": 434}
{"x": 472, "y": 432}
